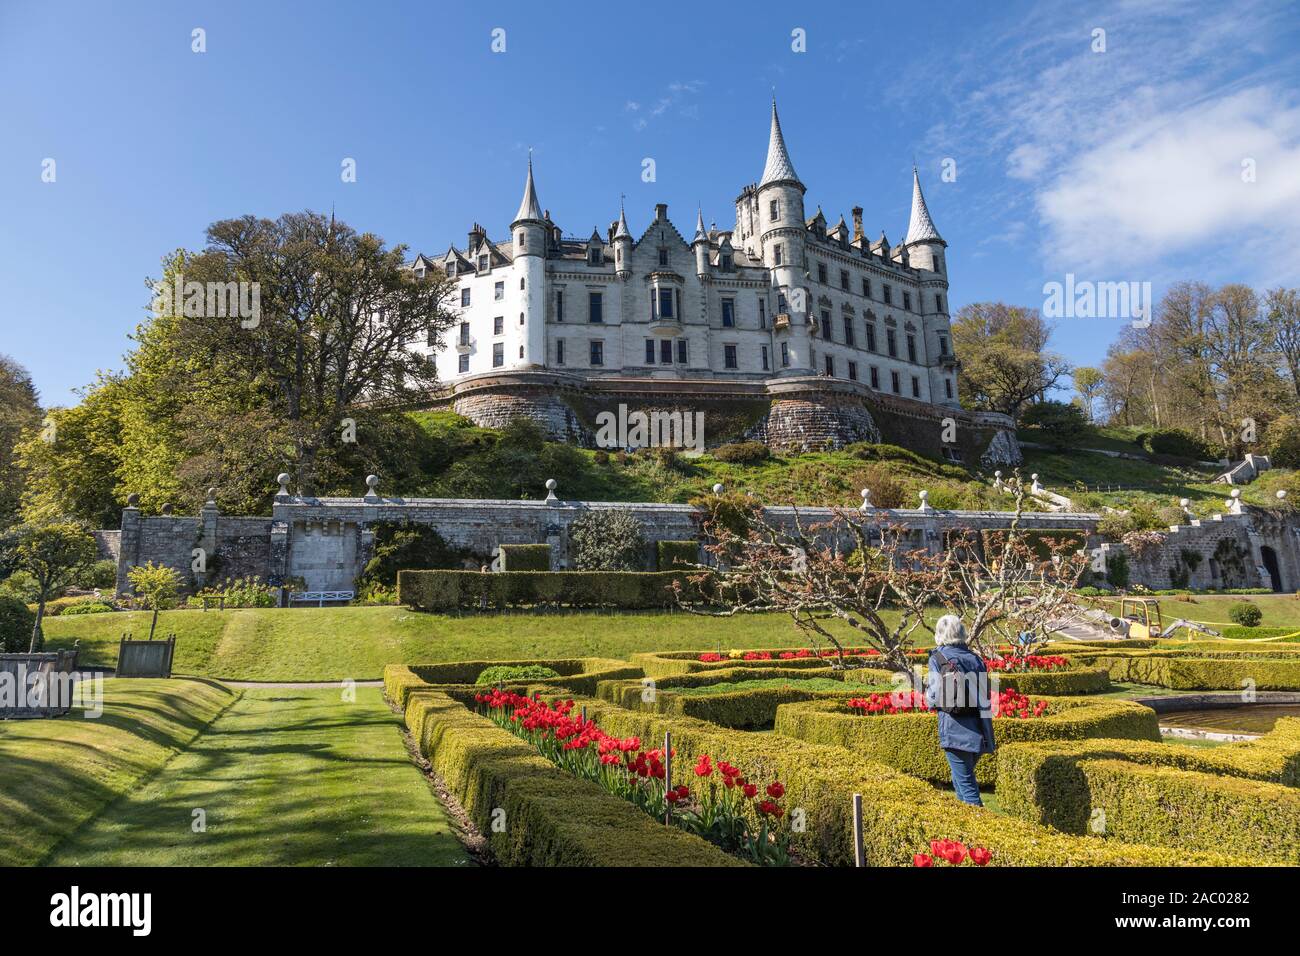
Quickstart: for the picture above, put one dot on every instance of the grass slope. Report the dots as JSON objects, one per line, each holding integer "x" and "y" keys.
{"x": 285, "y": 777}
{"x": 310, "y": 644}
{"x": 57, "y": 774}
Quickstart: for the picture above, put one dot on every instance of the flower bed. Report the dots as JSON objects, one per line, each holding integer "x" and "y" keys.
{"x": 909, "y": 741}
{"x": 729, "y": 816}
{"x": 533, "y": 813}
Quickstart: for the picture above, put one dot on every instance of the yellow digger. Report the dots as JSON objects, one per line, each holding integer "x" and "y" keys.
{"x": 1140, "y": 618}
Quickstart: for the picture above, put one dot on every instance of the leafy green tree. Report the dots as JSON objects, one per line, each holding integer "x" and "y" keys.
{"x": 1087, "y": 382}
{"x": 16, "y": 621}
{"x": 54, "y": 554}
{"x": 1058, "y": 424}
{"x": 1283, "y": 441}
{"x": 1006, "y": 363}
{"x": 19, "y": 410}
{"x": 156, "y": 587}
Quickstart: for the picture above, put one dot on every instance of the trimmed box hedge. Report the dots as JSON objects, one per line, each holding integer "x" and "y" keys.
{"x": 1181, "y": 808}
{"x": 455, "y": 590}
{"x": 910, "y": 742}
{"x": 670, "y": 554}
{"x": 1043, "y": 782}
{"x": 1057, "y": 683}
{"x": 658, "y": 664}
{"x": 525, "y": 557}
{"x": 581, "y": 675}
{"x": 741, "y": 709}
{"x": 551, "y": 818}
{"x": 1218, "y": 672}
{"x": 901, "y": 814}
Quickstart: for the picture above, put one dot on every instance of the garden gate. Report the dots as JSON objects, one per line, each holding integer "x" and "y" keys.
{"x": 145, "y": 658}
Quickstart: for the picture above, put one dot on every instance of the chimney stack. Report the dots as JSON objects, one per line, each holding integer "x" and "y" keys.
{"x": 857, "y": 223}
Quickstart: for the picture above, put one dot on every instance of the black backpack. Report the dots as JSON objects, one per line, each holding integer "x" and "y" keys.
{"x": 951, "y": 674}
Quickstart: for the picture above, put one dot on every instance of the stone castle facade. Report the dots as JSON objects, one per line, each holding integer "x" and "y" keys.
{"x": 783, "y": 328}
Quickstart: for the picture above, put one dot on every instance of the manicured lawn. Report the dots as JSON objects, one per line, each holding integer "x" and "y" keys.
{"x": 308, "y": 644}
{"x": 1280, "y": 610}
{"x": 56, "y": 774}
{"x": 285, "y": 777}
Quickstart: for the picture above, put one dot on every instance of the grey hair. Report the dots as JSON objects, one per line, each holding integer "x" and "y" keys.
{"x": 949, "y": 630}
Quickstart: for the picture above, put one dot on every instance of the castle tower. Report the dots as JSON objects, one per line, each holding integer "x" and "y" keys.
{"x": 700, "y": 246}
{"x": 779, "y": 212}
{"x": 526, "y": 332}
{"x": 925, "y": 250}
{"x": 622, "y": 245}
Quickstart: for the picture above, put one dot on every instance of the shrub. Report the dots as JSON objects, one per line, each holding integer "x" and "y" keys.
{"x": 1282, "y": 440}
{"x": 670, "y": 554}
{"x": 628, "y": 590}
{"x": 743, "y": 452}
{"x": 23, "y": 586}
{"x": 1245, "y": 614}
{"x": 16, "y": 623}
{"x": 607, "y": 540}
{"x": 399, "y": 546}
{"x": 1058, "y": 424}
{"x": 887, "y": 490}
{"x": 514, "y": 673}
{"x": 101, "y": 575}
{"x": 525, "y": 557}
{"x": 1176, "y": 443}
{"x": 601, "y": 457}
{"x": 87, "y": 607}
{"x": 1117, "y": 569}
{"x": 249, "y": 591}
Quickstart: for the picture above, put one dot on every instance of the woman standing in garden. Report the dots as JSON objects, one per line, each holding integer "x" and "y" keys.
{"x": 957, "y": 687}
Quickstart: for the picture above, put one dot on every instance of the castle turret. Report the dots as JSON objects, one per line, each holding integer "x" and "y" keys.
{"x": 925, "y": 250}
{"x": 781, "y": 236}
{"x": 923, "y": 243}
{"x": 526, "y": 337}
{"x": 700, "y": 245}
{"x": 622, "y": 244}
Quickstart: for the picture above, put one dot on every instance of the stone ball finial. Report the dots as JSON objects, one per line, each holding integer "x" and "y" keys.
{"x": 212, "y": 494}
{"x": 167, "y": 508}
{"x": 1281, "y": 494}
{"x": 719, "y": 488}
{"x": 866, "y": 499}
{"x": 283, "y": 479}
{"x": 997, "y": 474}
{"x": 372, "y": 483}
{"x": 133, "y": 500}
{"x": 1235, "y": 493}
{"x": 1034, "y": 476}
{"x": 1184, "y": 502}
{"x": 551, "y": 485}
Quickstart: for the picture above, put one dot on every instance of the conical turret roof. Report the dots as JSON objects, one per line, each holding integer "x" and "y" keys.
{"x": 529, "y": 207}
{"x": 921, "y": 227}
{"x": 778, "y": 167}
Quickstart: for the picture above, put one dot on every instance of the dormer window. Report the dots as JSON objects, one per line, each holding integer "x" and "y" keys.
{"x": 595, "y": 257}
{"x": 725, "y": 262}
{"x": 483, "y": 263}
{"x": 419, "y": 272}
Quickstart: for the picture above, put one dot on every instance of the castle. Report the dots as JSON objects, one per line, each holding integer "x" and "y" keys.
{"x": 784, "y": 328}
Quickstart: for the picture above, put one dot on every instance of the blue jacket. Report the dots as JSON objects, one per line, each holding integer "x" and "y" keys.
{"x": 973, "y": 734}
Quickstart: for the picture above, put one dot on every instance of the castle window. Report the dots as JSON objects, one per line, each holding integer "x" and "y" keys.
{"x": 777, "y": 252}
{"x": 866, "y": 288}
{"x": 681, "y": 351}
{"x": 419, "y": 273}
{"x": 895, "y": 383}
{"x": 596, "y": 257}
{"x": 938, "y": 263}
{"x": 762, "y": 312}
{"x": 728, "y": 313}
{"x": 875, "y": 378}
{"x": 830, "y": 365}
{"x": 853, "y": 371}
{"x": 649, "y": 351}
{"x": 891, "y": 344}
{"x": 947, "y": 387}
{"x": 848, "y": 331}
{"x": 663, "y": 257}
{"x": 785, "y": 355}
{"x": 464, "y": 297}
{"x": 907, "y": 302}
{"x": 521, "y": 318}
{"x": 782, "y": 307}
{"x": 916, "y": 387}
{"x": 482, "y": 263}
{"x": 938, "y": 303}
{"x": 498, "y": 354}
{"x": 595, "y": 307}
{"x": 725, "y": 262}
{"x": 774, "y": 210}
{"x": 911, "y": 349}
{"x": 665, "y": 303}
{"x": 464, "y": 333}
{"x": 729, "y": 357}
{"x": 871, "y": 337}
{"x": 522, "y": 237}
{"x": 559, "y": 305}
{"x": 462, "y": 363}
{"x": 821, "y": 272}
{"x": 826, "y": 325}
{"x": 764, "y": 358}
{"x": 499, "y": 325}
{"x": 844, "y": 279}
{"x": 665, "y": 351}
{"x": 521, "y": 284}
{"x": 943, "y": 345}
{"x": 597, "y": 354}
{"x": 521, "y": 351}
{"x": 889, "y": 295}
{"x": 559, "y": 351}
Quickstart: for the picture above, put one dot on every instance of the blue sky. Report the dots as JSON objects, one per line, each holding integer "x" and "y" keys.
{"x": 1122, "y": 164}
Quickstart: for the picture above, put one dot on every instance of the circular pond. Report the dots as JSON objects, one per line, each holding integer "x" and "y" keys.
{"x": 1239, "y": 719}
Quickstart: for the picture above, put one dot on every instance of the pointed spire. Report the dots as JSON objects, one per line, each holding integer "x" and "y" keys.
{"x": 700, "y": 232}
{"x": 778, "y": 166}
{"x": 529, "y": 208}
{"x": 921, "y": 227}
{"x": 622, "y": 232}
